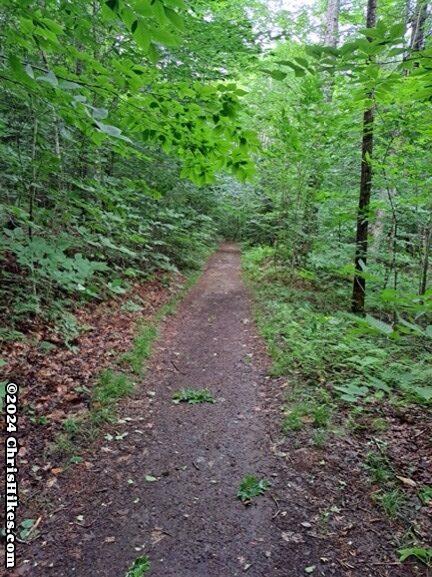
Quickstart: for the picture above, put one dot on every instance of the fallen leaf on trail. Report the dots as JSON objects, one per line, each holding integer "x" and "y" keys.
{"x": 291, "y": 537}
{"x": 57, "y": 470}
{"x": 406, "y": 481}
{"x": 150, "y": 478}
{"x": 156, "y": 535}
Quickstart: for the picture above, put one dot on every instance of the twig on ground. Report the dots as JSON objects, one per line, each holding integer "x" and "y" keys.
{"x": 177, "y": 369}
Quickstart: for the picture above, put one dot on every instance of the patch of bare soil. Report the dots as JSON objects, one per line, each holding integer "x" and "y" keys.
{"x": 332, "y": 489}
{"x": 164, "y": 480}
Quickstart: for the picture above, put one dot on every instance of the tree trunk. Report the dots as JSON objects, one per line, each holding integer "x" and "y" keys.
{"x": 418, "y": 26}
{"x": 32, "y": 188}
{"x": 331, "y": 37}
{"x": 332, "y": 23}
{"x": 359, "y": 284}
{"x": 425, "y": 268}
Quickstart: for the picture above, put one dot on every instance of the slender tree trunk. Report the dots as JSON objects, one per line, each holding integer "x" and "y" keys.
{"x": 58, "y": 153}
{"x": 32, "y": 189}
{"x": 359, "y": 284}
{"x": 331, "y": 34}
{"x": 418, "y": 25}
{"x": 331, "y": 37}
{"x": 427, "y": 249}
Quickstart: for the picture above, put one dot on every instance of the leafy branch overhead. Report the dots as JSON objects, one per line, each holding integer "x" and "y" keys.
{"x": 111, "y": 87}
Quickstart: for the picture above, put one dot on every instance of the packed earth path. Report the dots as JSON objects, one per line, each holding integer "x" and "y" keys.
{"x": 163, "y": 481}
{"x": 189, "y": 521}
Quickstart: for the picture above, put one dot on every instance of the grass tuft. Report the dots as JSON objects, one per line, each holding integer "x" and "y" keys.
{"x": 110, "y": 387}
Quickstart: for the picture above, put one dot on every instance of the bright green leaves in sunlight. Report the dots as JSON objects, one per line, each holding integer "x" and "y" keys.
{"x": 151, "y": 23}
{"x": 108, "y": 61}
{"x": 112, "y": 132}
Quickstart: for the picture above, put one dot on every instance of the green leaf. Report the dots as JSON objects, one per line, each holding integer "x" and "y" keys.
{"x": 113, "y": 5}
{"x": 139, "y": 567}
{"x": 100, "y": 113}
{"x": 379, "y": 325}
{"x": 142, "y": 36}
{"x": 52, "y": 25}
{"x": 164, "y": 37}
{"x": 27, "y": 523}
{"x": 299, "y": 70}
{"x": 68, "y": 85}
{"x": 109, "y": 129}
{"x": 193, "y": 396}
{"x": 51, "y": 78}
{"x": 251, "y": 487}
{"x": 175, "y": 18}
{"x": 422, "y": 553}
{"x": 424, "y": 393}
{"x": 177, "y": 4}
{"x": 276, "y": 74}
{"x": 352, "y": 392}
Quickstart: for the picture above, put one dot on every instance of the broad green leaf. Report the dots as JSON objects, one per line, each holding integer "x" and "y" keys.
{"x": 379, "y": 325}
{"x": 164, "y": 37}
{"x": 142, "y": 36}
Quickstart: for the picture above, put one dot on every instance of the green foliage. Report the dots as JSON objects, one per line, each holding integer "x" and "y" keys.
{"x": 319, "y": 439}
{"x": 425, "y": 494}
{"x": 293, "y": 420}
{"x": 251, "y": 487}
{"x": 391, "y": 502}
{"x": 68, "y": 328}
{"x": 315, "y": 410}
{"x": 105, "y": 150}
{"x": 101, "y": 415}
{"x": 63, "y": 446}
{"x": 110, "y": 387}
{"x": 132, "y": 307}
{"x": 311, "y": 339}
{"x": 193, "y": 396}
{"x": 141, "y": 349}
{"x": 377, "y": 467}
{"x": 139, "y": 567}
{"x": 321, "y": 416}
{"x": 71, "y": 426}
{"x": 423, "y": 554}
{"x": 25, "y": 529}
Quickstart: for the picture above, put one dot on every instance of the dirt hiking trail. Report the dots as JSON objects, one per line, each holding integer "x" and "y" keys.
{"x": 164, "y": 483}
{"x": 189, "y": 521}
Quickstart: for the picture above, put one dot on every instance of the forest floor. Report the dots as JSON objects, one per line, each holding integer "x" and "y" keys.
{"x": 163, "y": 480}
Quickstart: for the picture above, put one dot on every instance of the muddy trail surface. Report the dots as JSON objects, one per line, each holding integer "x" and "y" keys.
{"x": 188, "y": 521}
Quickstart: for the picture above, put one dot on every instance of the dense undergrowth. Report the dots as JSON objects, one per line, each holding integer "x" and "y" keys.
{"x": 312, "y": 337}
{"x": 101, "y": 251}
{"x": 348, "y": 380}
